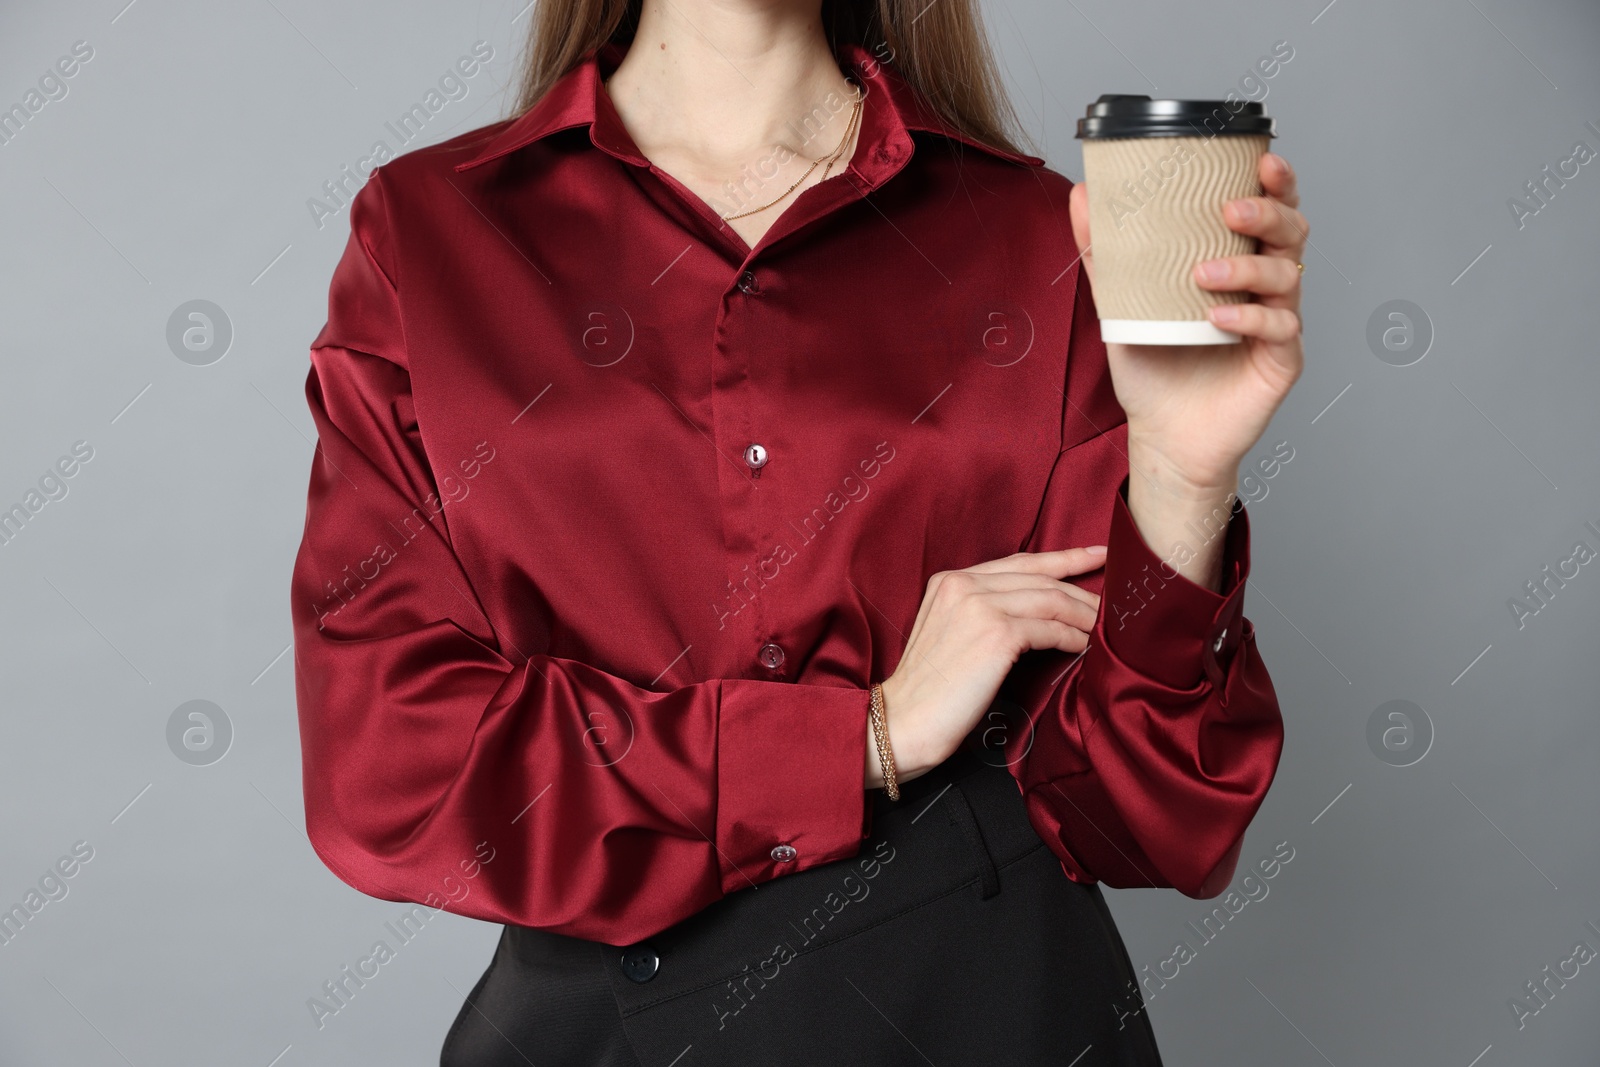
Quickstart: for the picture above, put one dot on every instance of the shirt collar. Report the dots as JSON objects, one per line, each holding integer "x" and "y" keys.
{"x": 891, "y": 109}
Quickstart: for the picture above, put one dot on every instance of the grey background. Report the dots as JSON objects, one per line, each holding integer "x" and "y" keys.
{"x": 1419, "y": 500}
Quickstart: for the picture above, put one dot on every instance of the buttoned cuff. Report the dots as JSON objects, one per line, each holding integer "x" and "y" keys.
{"x": 1159, "y": 623}
{"x": 791, "y": 766}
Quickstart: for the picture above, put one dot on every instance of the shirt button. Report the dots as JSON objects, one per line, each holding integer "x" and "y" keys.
{"x": 1216, "y": 646}
{"x": 755, "y": 456}
{"x": 748, "y": 283}
{"x": 783, "y": 853}
{"x": 640, "y": 963}
{"x": 771, "y": 656}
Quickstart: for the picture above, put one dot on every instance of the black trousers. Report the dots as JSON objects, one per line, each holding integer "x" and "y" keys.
{"x": 953, "y": 938}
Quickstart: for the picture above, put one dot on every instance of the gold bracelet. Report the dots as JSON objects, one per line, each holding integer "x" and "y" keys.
{"x": 880, "y": 736}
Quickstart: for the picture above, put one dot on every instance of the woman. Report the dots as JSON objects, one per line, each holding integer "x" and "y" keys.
{"x": 749, "y": 367}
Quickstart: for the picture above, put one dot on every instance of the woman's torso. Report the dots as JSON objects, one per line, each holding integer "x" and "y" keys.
{"x": 898, "y": 359}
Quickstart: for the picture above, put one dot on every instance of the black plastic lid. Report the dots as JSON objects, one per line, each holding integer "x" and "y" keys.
{"x": 1122, "y": 115}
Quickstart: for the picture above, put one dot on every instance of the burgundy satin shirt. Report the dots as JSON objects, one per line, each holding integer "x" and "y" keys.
{"x": 614, "y": 519}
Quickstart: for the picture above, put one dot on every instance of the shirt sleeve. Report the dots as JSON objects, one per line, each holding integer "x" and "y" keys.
{"x": 1147, "y": 755}
{"x": 427, "y": 746}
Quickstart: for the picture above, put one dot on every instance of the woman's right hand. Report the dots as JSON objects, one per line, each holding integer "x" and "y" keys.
{"x": 970, "y": 629}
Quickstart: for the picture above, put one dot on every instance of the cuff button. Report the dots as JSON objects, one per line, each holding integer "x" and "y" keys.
{"x": 783, "y": 853}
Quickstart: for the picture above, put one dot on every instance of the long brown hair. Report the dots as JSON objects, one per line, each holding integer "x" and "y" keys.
{"x": 938, "y": 48}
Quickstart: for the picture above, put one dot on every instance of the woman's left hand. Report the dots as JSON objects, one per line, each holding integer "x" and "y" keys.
{"x": 1195, "y": 410}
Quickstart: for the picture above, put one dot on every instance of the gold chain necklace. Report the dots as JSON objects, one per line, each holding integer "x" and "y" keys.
{"x": 830, "y": 160}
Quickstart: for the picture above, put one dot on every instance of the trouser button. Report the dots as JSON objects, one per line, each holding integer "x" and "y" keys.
{"x": 640, "y": 962}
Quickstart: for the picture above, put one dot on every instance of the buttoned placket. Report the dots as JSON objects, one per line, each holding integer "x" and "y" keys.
{"x": 883, "y": 147}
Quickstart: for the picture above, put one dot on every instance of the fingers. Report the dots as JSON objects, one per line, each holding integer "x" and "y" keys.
{"x": 1021, "y": 604}
{"x": 972, "y": 582}
{"x": 1049, "y": 633}
{"x": 1266, "y": 275}
{"x": 1059, "y": 562}
{"x": 1275, "y": 220}
{"x": 949, "y": 585}
{"x": 1278, "y": 179}
{"x": 1257, "y": 320}
{"x": 1078, "y": 214}
{"x": 1279, "y": 227}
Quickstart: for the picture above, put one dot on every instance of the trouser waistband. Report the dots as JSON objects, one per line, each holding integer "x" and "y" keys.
{"x": 954, "y": 830}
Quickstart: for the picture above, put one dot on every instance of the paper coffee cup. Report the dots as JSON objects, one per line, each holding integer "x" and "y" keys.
{"x": 1158, "y": 173}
